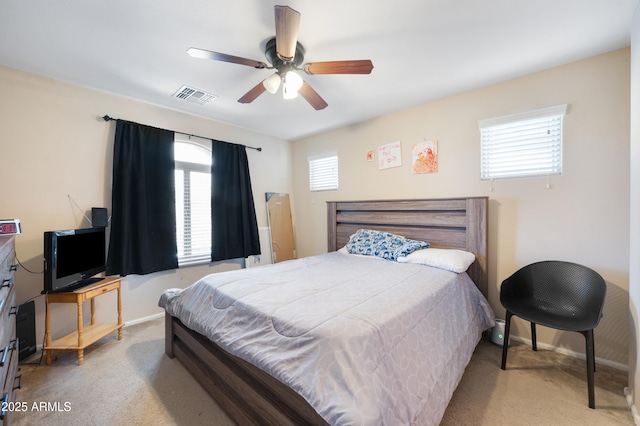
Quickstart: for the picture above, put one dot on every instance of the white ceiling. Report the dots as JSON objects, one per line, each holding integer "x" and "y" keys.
{"x": 422, "y": 50}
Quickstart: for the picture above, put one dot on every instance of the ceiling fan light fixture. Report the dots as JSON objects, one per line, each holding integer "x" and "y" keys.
{"x": 292, "y": 83}
{"x": 272, "y": 83}
{"x": 288, "y": 93}
{"x": 285, "y": 55}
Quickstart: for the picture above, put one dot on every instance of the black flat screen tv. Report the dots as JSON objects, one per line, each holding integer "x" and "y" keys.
{"x": 72, "y": 257}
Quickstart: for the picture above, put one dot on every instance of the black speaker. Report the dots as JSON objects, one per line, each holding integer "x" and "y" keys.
{"x": 26, "y": 329}
{"x": 99, "y": 218}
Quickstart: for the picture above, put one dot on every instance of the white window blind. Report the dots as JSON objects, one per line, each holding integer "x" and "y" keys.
{"x": 323, "y": 173}
{"x": 519, "y": 145}
{"x": 193, "y": 202}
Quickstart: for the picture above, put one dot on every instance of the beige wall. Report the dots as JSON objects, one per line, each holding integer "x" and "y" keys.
{"x": 584, "y": 217}
{"x": 54, "y": 145}
{"x": 634, "y": 265}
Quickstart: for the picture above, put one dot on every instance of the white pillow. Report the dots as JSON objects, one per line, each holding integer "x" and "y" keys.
{"x": 449, "y": 259}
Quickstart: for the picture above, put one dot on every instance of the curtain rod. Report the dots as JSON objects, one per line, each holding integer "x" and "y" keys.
{"x": 107, "y": 118}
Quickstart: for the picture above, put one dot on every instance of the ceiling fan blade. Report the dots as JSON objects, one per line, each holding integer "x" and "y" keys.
{"x": 252, "y": 94}
{"x": 340, "y": 67}
{"x": 206, "y": 54}
{"x": 312, "y": 97}
{"x": 287, "y": 25}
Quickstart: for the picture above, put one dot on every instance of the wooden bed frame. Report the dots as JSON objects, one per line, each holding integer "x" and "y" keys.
{"x": 249, "y": 395}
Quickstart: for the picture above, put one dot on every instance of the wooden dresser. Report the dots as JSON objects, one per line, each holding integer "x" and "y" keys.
{"x": 8, "y": 343}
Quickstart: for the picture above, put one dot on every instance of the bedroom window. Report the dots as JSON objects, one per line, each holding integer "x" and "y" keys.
{"x": 193, "y": 200}
{"x": 521, "y": 145}
{"x": 323, "y": 173}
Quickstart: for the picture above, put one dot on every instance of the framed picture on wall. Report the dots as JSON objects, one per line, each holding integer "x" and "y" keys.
{"x": 424, "y": 157}
{"x": 389, "y": 155}
{"x": 371, "y": 155}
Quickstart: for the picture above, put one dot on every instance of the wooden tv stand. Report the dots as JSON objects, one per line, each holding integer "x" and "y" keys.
{"x": 85, "y": 335}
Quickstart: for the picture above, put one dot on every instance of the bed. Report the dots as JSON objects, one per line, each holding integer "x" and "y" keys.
{"x": 296, "y": 361}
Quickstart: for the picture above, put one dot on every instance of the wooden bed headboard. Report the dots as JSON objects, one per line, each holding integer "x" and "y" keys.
{"x": 456, "y": 223}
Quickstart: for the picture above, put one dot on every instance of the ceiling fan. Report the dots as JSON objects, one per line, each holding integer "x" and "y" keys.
{"x": 285, "y": 55}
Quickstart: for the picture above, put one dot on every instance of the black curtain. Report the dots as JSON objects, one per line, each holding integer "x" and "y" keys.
{"x": 234, "y": 228}
{"x": 143, "y": 221}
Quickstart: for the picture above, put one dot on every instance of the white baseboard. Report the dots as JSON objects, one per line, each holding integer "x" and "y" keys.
{"x": 628, "y": 394}
{"x": 546, "y": 346}
{"x": 144, "y": 319}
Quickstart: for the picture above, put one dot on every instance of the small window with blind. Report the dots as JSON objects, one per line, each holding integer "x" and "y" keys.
{"x": 193, "y": 200}
{"x": 323, "y": 173}
{"x": 522, "y": 145}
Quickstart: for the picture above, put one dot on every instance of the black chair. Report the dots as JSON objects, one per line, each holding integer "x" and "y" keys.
{"x": 556, "y": 294}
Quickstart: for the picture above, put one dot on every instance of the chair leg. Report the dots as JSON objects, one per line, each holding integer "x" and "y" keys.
{"x": 593, "y": 346}
{"x": 505, "y": 340}
{"x": 591, "y": 366}
{"x": 534, "y": 340}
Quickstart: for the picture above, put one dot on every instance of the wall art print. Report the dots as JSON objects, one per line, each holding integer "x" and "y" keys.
{"x": 389, "y": 155}
{"x": 424, "y": 157}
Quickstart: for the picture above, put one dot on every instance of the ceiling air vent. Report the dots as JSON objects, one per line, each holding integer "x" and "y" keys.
{"x": 194, "y": 95}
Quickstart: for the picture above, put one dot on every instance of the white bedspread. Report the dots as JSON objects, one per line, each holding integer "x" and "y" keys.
{"x": 365, "y": 341}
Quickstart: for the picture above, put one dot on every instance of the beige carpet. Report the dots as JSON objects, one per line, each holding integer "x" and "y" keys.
{"x": 132, "y": 382}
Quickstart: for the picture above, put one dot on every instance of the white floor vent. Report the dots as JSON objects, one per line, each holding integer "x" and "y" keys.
{"x": 195, "y": 96}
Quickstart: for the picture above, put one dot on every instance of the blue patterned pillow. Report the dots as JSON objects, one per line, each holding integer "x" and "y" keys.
{"x": 382, "y": 244}
{"x": 409, "y": 247}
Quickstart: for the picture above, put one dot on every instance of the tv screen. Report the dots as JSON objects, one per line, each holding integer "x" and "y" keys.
{"x": 72, "y": 257}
